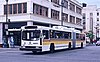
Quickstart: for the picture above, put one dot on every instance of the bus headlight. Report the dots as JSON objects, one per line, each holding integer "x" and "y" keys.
{"x": 24, "y": 43}
{"x": 37, "y": 47}
{"x": 22, "y": 47}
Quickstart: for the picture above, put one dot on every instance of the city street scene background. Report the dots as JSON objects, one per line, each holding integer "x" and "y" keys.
{"x": 49, "y": 30}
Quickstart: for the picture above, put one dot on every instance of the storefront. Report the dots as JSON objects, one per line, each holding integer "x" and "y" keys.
{"x": 14, "y": 30}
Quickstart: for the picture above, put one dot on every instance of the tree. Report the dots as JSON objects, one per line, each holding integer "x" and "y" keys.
{"x": 90, "y": 35}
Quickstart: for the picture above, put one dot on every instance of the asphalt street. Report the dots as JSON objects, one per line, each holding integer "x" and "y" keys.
{"x": 87, "y": 54}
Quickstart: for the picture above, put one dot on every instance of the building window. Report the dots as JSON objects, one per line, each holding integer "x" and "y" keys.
{"x": 55, "y": 1}
{"x": 40, "y": 10}
{"x": 91, "y": 23}
{"x": 97, "y": 19}
{"x": 65, "y": 17}
{"x": 91, "y": 14}
{"x": 78, "y": 10}
{"x": 72, "y": 7}
{"x": 19, "y": 8}
{"x": 10, "y": 9}
{"x": 97, "y": 14}
{"x": 84, "y": 27}
{"x": 84, "y": 16}
{"x": 16, "y": 8}
{"x": 54, "y": 14}
{"x": 35, "y": 9}
{"x": 24, "y": 8}
{"x": 66, "y": 4}
{"x": 78, "y": 21}
{"x": 5, "y": 9}
{"x": 97, "y": 24}
{"x": 72, "y": 19}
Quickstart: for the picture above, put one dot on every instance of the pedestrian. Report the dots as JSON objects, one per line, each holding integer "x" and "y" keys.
{"x": 94, "y": 42}
{"x": 12, "y": 42}
{"x": 9, "y": 43}
{"x": 4, "y": 42}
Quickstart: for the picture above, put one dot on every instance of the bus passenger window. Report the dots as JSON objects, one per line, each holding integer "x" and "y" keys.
{"x": 67, "y": 35}
{"x": 78, "y": 36}
{"x": 59, "y": 34}
{"x": 82, "y": 36}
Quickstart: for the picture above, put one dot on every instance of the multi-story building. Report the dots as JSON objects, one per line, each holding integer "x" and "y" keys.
{"x": 39, "y": 12}
{"x": 91, "y": 19}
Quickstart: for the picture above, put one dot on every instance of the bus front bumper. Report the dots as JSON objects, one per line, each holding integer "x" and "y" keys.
{"x": 30, "y": 49}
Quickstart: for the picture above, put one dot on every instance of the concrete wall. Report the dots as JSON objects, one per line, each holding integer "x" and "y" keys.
{"x": 92, "y": 9}
{"x": 30, "y": 17}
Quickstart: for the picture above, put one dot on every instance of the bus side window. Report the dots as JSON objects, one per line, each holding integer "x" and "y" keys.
{"x": 52, "y": 34}
{"x": 67, "y": 35}
{"x": 82, "y": 36}
{"x": 45, "y": 34}
{"x": 77, "y": 36}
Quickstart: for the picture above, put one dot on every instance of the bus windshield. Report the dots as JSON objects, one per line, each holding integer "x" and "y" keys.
{"x": 31, "y": 35}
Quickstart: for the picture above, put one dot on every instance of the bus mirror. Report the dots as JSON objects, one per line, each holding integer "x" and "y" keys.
{"x": 44, "y": 36}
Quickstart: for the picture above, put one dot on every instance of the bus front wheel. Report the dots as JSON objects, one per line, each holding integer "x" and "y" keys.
{"x": 69, "y": 46}
{"x": 34, "y": 52}
{"x": 52, "y": 48}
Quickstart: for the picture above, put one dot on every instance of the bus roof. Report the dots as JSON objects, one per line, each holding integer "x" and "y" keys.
{"x": 58, "y": 28}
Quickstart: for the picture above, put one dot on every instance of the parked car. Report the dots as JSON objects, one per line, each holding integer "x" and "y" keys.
{"x": 98, "y": 43}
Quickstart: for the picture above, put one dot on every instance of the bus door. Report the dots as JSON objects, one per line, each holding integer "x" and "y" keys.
{"x": 74, "y": 39}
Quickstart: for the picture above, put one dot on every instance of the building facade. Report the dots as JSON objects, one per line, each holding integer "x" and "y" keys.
{"x": 91, "y": 19}
{"x": 40, "y": 12}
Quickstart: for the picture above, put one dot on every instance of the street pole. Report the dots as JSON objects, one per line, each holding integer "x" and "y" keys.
{"x": 6, "y": 11}
{"x": 62, "y": 4}
{"x": 91, "y": 19}
{"x": 6, "y": 24}
{"x": 96, "y": 33}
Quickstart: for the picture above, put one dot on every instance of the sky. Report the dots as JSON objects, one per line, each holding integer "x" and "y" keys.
{"x": 91, "y": 2}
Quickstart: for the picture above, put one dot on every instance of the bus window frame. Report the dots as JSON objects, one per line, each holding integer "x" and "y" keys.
{"x": 81, "y": 36}
{"x": 62, "y": 34}
{"x": 28, "y": 31}
{"x": 69, "y": 35}
{"x": 78, "y": 36}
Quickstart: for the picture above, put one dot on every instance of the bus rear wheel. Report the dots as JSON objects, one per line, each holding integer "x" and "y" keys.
{"x": 69, "y": 46}
{"x": 52, "y": 48}
{"x": 81, "y": 44}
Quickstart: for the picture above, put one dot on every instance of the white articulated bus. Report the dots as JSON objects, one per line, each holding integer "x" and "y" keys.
{"x": 40, "y": 38}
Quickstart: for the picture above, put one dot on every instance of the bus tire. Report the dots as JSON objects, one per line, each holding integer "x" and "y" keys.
{"x": 69, "y": 46}
{"x": 34, "y": 52}
{"x": 81, "y": 44}
{"x": 52, "y": 48}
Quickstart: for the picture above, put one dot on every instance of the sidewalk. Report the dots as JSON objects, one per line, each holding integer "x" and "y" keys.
{"x": 16, "y": 48}
{"x": 88, "y": 44}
